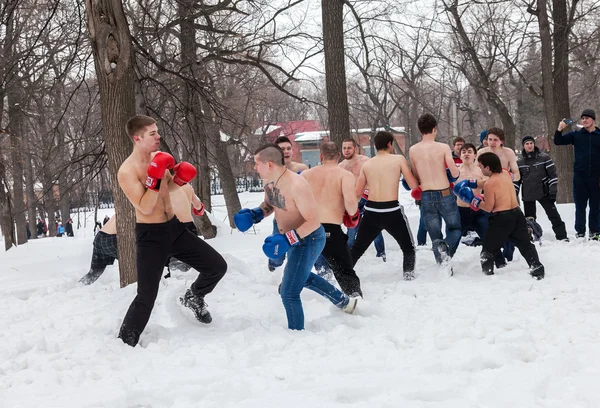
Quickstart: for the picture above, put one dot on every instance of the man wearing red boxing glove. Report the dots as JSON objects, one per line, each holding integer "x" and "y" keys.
{"x": 301, "y": 236}
{"x": 146, "y": 180}
{"x": 506, "y": 219}
{"x": 333, "y": 188}
{"x": 383, "y": 211}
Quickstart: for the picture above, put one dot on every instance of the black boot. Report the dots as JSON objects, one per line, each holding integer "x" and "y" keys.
{"x": 537, "y": 272}
{"x": 198, "y": 306}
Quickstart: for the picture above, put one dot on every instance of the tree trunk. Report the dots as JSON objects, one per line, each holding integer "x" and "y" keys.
{"x": 335, "y": 70}
{"x": 6, "y": 220}
{"x": 31, "y": 198}
{"x": 113, "y": 60}
{"x": 15, "y": 114}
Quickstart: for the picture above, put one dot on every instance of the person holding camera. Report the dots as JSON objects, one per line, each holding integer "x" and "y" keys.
{"x": 539, "y": 183}
{"x": 586, "y": 170}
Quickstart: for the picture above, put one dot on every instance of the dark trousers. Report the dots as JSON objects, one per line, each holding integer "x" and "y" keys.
{"x": 155, "y": 243}
{"x": 394, "y": 222}
{"x": 337, "y": 254}
{"x": 586, "y": 189}
{"x": 558, "y": 225}
{"x": 511, "y": 225}
{"x": 174, "y": 263}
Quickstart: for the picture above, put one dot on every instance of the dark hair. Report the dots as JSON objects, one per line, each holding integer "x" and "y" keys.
{"x": 282, "y": 139}
{"x": 426, "y": 123}
{"x": 382, "y": 140}
{"x": 458, "y": 139}
{"x": 490, "y": 160}
{"x": 498, "y": 132}
{"x": 349, "y": 139}
{"x": 469, "y": 146}
{"x": 137, "y": 124}
{"x": 270, "y": 153}
{"x": 329, "y": 151}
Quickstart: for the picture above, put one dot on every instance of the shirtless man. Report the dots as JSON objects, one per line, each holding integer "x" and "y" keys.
{"x": 434, "y": 167}
{"x": 382, "y": 211}
{"x": 146, "y": 181}
{"x": 301, "y": 236}
{"x": 286, "y": 146}
{"x": 353, "y": 162}
{"x": 506, "y": 219}
{"x": 333, "y": 188}
{"x": 105, "y": 251}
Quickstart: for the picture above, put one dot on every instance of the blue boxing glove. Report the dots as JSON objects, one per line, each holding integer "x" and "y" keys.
{"x": 467, "y": 195}
{"x": 278, "y": 244}
{"x": 449, "y": 175}
{"x": 247, "y": 217}
{"x": 405, "y": 184}
{"x": 472, "y": 183}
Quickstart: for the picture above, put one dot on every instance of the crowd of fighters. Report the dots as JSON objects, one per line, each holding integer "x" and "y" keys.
{"x": 310, "y": 206}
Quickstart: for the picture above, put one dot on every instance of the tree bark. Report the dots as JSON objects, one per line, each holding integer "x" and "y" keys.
{"x": 113, "y": 59}
{"x": 6, "y": 220}
{"x": 335, "y": 70}
{"x": 15, "y": 129}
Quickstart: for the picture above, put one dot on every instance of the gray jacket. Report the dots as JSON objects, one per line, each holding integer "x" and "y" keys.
{"x": 538, "y": 175}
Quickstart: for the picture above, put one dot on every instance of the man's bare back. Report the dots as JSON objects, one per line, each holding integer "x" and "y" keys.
{"x": 429, "y": 161}
{"x": 293, "y": 202}
{"x": 499, "y": 194}
{"x": 150, "y": 207}
{"x": 382, "y": 174}
{"x": 333, "y": 188}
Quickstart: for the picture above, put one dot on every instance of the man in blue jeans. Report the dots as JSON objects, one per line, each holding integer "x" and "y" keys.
{"x": 433, "y": 166}
{"x": 289, "y": 196}
{"x": 353, "y": 162}
{"x": 586, "y": 171}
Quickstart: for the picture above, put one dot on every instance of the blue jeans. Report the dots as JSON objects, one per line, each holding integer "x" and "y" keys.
{"x": 586, "y": 189}
{"x": 297, "y": 275}
{"x": 320, "y": 264}
{"x": 436, "y": 205}
{"x": 422, "y": 232}
{"x": 379, "y": 242}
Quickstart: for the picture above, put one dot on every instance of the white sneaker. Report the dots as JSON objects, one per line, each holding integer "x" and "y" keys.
{"x": 351, "y": 306}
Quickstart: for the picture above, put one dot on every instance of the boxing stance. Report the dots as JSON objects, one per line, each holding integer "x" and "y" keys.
{"x": 506, "y": 219}
{"x": 300, "y": 234}
{"x": 145, "y": 179}
{"x": 382, "y": 211}
{"x": 333, "y": 188}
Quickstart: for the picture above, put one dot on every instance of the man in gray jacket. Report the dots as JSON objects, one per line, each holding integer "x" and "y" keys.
{"x": 539, "y": 182}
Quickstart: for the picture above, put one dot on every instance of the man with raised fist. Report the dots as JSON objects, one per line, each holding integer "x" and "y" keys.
{"x": 300, "y": 234}
{"x": 333, "y": 188}
{"x": 383, "y": 211}
{"x": 146, "y": 180}
{"x": 506, "y": 219}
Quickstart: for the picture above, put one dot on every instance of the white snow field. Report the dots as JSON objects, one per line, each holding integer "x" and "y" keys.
{"x": 466, "y": 341}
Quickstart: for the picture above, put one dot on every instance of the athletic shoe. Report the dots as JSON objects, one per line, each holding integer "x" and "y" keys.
{"x": 580, "y": 235}
{"x": 595, "y": 236}
{"x": 271, "y": 267}
{"x": 350, "y": 306}
{"x": 198, "y": 306}
{"x": 408, "y": 275}
{"x": 537, "y": 272}
{"x": 382, "y": 256}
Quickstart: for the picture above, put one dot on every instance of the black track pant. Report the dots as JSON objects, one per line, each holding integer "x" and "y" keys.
{"x": 504, "y": 225}
{"x": 337, "y": 255}
{"x": 155, "y": 243}
{"x": 558, "y": 225}
{"x": 389, "y": 216}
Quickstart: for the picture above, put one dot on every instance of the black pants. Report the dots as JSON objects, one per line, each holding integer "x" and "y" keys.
{"x": 558, "y": 226}
{"x": 176, "y": 264}
{"x": 586, "y": 189}
{"x": 337, "y": 255}
{"x": 155, "y": 243}
{"x": 376, "y": 218}
{"x": 511, "y": 225}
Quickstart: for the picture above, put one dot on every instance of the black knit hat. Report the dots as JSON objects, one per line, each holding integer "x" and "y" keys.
{"x": 589, "y": 113}
{"x": 526, "y": 138}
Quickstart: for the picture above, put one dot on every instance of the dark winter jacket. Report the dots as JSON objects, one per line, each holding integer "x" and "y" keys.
{"x": 538, "y": 175}
{"x": 587, "y": 150}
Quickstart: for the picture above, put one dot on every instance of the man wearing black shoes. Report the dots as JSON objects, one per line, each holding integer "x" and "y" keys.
{"x": 145, "y": 179}
{"x": 506, "y": 219}
{"x": 539, "y": 183}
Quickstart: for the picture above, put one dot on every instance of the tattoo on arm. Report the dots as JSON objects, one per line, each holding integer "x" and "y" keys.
{"x": 267, "y": 209}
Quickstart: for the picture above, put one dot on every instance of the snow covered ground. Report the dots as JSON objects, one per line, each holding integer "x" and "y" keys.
{"x": 466, "y": 341}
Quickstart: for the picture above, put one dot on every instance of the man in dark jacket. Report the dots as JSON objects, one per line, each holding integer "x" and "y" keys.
{"x": 539, "y": 182}
{"x": 586, "y": 171}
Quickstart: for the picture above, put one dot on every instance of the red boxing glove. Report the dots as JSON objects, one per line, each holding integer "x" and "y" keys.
{"x": 199, "y": 212}
{"x": 351, "y": 221}
{"x": 365, "y": 194}
{"x": 184, "y": 173}
{"x": 156, "y": 170}
{"x": 416, "y": 193}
